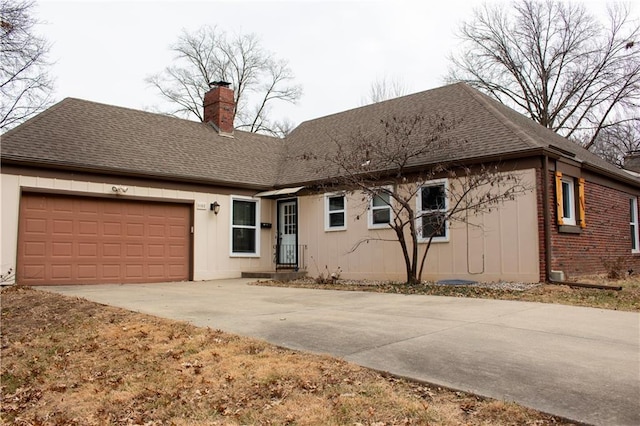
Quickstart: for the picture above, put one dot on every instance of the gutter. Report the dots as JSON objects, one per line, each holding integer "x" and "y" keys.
{"x": 417, "y": 168}
{"x": 109, "y": 171}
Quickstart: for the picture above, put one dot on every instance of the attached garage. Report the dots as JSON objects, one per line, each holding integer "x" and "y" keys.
{"x": 64, "y": 239}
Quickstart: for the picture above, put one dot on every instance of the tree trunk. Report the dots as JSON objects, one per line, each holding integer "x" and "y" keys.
{"x": 413, "y": 277}
{"x": 405, "y": 252}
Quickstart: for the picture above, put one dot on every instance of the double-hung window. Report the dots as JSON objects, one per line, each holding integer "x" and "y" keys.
{"x": 335, "y": 218}
{"x": 633, "y": 224}
{"x": 245, "y": 235}
{"x": 380, "y": 210}
{"x": 431, "y": 211}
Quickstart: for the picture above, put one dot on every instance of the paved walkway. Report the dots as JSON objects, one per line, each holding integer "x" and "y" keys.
{"x": 579, "y": 363}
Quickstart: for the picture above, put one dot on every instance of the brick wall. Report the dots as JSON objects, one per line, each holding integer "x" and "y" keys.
{"x": 605, "y": 238}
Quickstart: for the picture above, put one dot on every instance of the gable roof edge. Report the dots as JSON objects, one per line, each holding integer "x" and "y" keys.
{"x": 37, "y": 117}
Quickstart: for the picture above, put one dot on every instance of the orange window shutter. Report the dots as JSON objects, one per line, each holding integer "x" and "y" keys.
{"x": 581, "y": 205}
{"x": 559, "y": 205}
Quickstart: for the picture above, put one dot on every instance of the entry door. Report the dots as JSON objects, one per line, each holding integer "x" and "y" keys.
{"x": 287, "y": 233}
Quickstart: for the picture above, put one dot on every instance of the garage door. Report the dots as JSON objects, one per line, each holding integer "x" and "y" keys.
{"x": 81, "y": 240}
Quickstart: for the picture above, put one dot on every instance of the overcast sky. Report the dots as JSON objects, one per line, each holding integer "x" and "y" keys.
{"x": 103, "y": 51}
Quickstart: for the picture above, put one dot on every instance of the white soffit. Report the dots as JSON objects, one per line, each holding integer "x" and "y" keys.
{"x": 278, "y": 192}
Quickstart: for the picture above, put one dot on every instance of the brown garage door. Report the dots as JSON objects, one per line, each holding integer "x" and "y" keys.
{"x": 82, "y": 240}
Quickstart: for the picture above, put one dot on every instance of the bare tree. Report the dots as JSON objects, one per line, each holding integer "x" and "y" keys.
{"x": 556, "y": 63}
{"x": 383, "y": 89}
{"x": 388, "y": 165}
{"x": 616, "y": 142}
{"x": 209, "y": 54}
{"x": 25, "y": 84}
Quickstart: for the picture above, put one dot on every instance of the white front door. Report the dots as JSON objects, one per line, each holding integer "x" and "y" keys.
{"x": 287, "y": 233}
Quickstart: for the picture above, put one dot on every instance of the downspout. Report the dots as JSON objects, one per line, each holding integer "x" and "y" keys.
{"x": 546, "y": 217}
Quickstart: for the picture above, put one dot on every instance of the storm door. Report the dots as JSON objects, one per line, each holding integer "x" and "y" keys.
{"x": 287, "y": 244}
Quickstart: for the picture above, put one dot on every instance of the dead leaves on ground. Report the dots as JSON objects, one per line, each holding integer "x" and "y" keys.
{"x": 67, "y": 361}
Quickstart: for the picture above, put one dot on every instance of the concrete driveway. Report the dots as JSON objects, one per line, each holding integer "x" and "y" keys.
{"x": 579, "y": 363}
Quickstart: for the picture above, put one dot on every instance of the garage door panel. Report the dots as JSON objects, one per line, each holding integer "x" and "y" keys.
{"x": 177, "y": 251}
{"x": 35, "y": 204}
{"x": 112, "y": 250}
{"x": 134, "y": 271}
{"x": 62, "y": 249}
{"x": 112, "y": 209}
{"x": 177, "y": 230}
{"x": 60, "y": 205}
{"x": 157, "y": 271}
{"x": 135, "y": 230}
{"x": 62, "y": 227}
{"x": 87, "y": 250}
{"x": 68, "y": 239}
{"x": 176, "y": 270}
{"x": 112, "y": 229}
{"x": 88, "y": 207}
{"x": 111, "y": 271}
{"x": 36, "y": 226}
{"x": 88, "y": 228}
{"x": 87, "y": 272}
{"x": 33, "y": 271}
{"x": 156, "y": 250}
{"x": 35, "y": 249}
{"x": 61, "y": 272}
{"x": 157, "y": 230}
{"x": 135, "y": 250}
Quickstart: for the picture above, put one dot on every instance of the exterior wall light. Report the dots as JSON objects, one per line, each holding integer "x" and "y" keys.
{"x": 215, "y": 207}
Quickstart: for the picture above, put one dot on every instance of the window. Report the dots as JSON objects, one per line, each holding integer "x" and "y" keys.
{"x": 568, "y": 201}
{"x": 431, "y": 211}
{"x": 380, "y": 211}
{"x": 633, "y": 224}
{"x": 245, "y": 238}
{"x": 335, "y": 212}
{"x": 570, "y": 209}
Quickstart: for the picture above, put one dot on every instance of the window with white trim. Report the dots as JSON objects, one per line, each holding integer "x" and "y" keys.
{"x": 380, "y": 210}
{"x": 568, "y": 201}
{"x": 245, "y": 235}
{"x": 633, "y": 225}
{"x": 570, "y": 209}
{"x": 335, "y": 207}
{"x": 431, "y": 211}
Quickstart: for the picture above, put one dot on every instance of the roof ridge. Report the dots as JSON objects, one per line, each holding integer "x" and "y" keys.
{"x": 134, "y": 110}
{"x": 484, "y": 100}
{"x": 156, "y": 114}
{"x": 377, "y": 104}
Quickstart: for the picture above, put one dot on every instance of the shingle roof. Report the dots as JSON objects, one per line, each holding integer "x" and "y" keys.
{"x": 78, "y": 134}
{"x": 489, "y": 129}
{"x": 81, "y": 135}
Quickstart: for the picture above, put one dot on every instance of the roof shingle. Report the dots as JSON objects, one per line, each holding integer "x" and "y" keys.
{"x": 82, "y": 135}
{"x": 487, "y": 127}
{"x": 78, "y": 134}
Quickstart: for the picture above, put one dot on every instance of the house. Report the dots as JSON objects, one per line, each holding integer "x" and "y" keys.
{"x": 94, "y": 193}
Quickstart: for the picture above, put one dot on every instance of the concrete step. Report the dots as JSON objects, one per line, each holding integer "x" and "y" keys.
{"x": 276, "y": 275}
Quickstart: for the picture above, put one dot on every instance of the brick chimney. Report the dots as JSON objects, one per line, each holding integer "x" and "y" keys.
{"x": 219, "y": 106}
{"x": 632, "y": 161}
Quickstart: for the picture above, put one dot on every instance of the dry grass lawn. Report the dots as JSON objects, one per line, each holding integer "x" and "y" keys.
{"x": 68, "y": 361}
